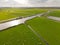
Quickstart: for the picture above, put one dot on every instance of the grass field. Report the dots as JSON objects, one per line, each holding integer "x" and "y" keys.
{"x": 55, "y": 13}
{"x": 19, "y": 35}
{"x": 7, "y": 13}
{"x": 22, "y": 35}
{"x": 48, "y": 29}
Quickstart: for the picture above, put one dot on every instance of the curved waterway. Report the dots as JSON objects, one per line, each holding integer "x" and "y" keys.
{"x": 21, "y": 21}
{"x": 16, "y": 22}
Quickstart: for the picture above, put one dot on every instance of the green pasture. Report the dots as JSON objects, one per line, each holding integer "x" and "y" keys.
{"x": 19, "y": 35}
{"x": 48, "y": 29}
{"x": 8, "y": 13}
{"x": 54, "y": 13}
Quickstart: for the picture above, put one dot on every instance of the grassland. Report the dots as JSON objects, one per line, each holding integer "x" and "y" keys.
{"x": 19, "y": 35}
{"x": 22, "y": 35}
{"x": 7, "y": 13}
{"x": 55, "y": 13}
{"x": 48, "y": 29}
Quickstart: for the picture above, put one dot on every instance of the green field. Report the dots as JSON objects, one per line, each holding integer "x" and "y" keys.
{"x": 19, "y": 35}
{"x": 48, "y": 29}
{"x": 8, "y": 13}
{"x": 55, "y": 13}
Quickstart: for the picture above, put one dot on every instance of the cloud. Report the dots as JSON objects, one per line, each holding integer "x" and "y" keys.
{"x": 45, "y": 3}
{"x": 11, "y": 3}
{"x": 30, "y": 3}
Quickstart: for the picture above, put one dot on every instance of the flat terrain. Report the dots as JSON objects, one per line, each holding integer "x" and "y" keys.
{"x": 19, "y": 35}
{"x": 8, "y": 13}
{"x": 55, "y": 13}
{"x": 48, "y": 29}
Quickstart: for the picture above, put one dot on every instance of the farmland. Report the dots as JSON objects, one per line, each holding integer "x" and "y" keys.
{"x": 42, "y": 31}
{"x": 16, "y": 12}
{"x": 47, "y": 28}
{"x": 19, "y": 35}
{"x": 55, "y": 13}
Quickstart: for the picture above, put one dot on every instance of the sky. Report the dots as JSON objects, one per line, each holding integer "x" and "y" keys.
{"x": 29, "y": 3}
